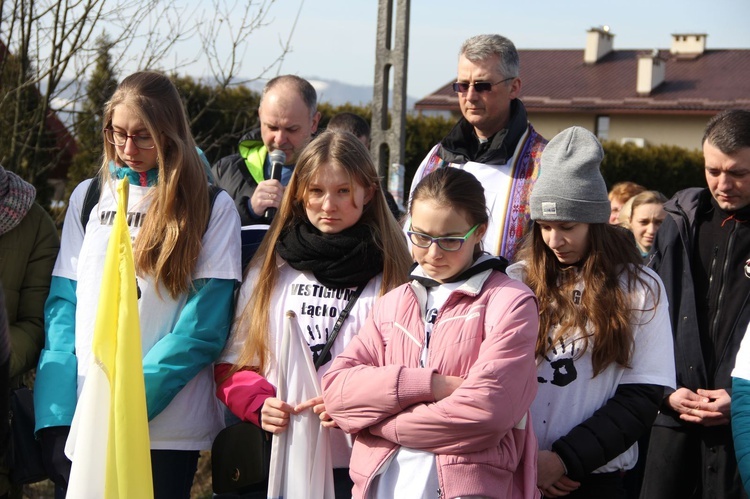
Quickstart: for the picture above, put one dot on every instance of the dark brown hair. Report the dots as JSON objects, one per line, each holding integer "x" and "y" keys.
{"x": 729, "y": 131}
{"x": 457, "y": 188}
{"x": 453, "y": 187}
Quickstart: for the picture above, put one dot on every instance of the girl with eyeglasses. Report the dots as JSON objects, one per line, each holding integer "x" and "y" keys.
{"x": 604, "y": 346}
{"x": 187, "y": 259}
{"x": 437, "y": 384}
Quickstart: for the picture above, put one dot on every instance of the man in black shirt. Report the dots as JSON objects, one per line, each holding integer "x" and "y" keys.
{"x": 700, "y": 252}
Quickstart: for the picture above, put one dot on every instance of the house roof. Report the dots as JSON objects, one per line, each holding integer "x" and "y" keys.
{"x": 559, "y": 81}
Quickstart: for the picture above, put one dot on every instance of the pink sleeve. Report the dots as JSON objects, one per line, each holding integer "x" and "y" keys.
{"x": 243, "y": 392}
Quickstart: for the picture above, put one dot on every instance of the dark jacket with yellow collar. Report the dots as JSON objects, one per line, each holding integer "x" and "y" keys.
{"x": 239, "y": 174}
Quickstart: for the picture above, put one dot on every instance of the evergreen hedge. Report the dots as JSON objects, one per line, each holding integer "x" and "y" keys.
{"x": 666, "y": 169}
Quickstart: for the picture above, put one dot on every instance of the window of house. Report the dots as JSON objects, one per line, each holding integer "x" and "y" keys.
{"x": 602, "y": 127}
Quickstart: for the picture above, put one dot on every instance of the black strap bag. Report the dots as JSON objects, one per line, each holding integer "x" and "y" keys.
{"x": 24, "y": 451}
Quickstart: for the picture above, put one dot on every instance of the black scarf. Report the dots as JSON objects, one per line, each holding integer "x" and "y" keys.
{"x": 462, "y": 145}
{"x": 344, "y": 260}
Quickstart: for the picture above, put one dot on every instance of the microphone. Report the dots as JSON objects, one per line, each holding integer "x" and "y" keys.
{"x": 278, "y": 157}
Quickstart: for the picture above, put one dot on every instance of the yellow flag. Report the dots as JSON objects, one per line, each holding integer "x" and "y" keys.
{"x": 110, "y": 449}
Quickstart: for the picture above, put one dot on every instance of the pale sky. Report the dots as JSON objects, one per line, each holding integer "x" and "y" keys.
{"x": 335, "y": 39}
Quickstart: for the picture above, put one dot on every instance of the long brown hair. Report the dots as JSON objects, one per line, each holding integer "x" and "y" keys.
{"x": 344, "y": 150}
{"x": 170, "y": 240}
{"x": 607, "y": 307}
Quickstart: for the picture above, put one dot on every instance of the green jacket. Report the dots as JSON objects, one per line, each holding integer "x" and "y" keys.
{"x": 239, "y": 174}
{"x": 27, "y": 256}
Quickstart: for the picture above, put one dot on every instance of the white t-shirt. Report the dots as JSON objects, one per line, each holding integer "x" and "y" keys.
{"x": 569, "y": 394}
{"x": 412, "y": 473}
{"x": 192, "y": 419}
{"x": 317, "y": 308}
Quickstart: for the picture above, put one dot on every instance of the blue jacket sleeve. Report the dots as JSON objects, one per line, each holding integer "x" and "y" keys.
{"x": 196, "y": 341}
{"x": 57, "y": 374}
{"x": 741, "y": 427}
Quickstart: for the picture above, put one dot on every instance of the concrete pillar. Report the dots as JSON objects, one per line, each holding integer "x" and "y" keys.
{"x": 391, "y": 54}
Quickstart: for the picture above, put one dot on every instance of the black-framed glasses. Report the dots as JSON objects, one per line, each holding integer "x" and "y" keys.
{"x": 462, "y": 87}
{"x": 121, "y": 138}
{"x": 445, "y": 243}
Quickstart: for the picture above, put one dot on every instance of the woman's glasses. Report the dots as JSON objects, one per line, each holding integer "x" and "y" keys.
{"x": 462, "y": 87}
{"x": 445, "y": 243}
{"x": 121, "y": 138}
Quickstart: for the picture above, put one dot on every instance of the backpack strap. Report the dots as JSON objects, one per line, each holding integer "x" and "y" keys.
{"x": 95, "y": 188}
{"x": 93, "y": 192}
{"x": 213, "y": 192}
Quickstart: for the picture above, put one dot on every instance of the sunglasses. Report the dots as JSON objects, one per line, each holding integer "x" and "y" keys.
{"x": 480, "y": 86}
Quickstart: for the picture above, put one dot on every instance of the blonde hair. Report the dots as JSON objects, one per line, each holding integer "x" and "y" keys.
{"x": 623, "y": 218}
{"x": 646, "y": 197}
{"x": 345, "y": 151}
{"x": 170, "y": 240}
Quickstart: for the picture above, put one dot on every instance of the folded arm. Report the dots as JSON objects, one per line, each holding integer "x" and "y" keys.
{"x": 611, "y": 430}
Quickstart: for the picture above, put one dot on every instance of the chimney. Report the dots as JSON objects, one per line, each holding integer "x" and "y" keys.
{"x": 599, "y": 43}
{"x": 651, "y": 71}
{"x": 688, "y": 44}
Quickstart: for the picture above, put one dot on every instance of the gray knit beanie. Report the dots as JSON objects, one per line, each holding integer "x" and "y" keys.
{"x": 570, "y": 187}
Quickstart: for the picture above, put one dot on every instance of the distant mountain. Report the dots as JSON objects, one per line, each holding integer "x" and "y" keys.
{"x": 337, "y": 93}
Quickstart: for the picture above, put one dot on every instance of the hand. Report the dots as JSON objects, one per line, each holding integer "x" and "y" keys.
{"x": 267, "y": 194}
{"x": 551, "y": 477}
{"x": 561, "y": 488}
{"x": 274, "y": 415}
{"x": 442, "y": 386}
{"x": 549, "y": 469}
{"x": 318, "y": 408}
{"x": 704, "y": 407}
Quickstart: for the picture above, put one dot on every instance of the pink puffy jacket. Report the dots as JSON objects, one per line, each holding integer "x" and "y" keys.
{"x": 481, "y": 434}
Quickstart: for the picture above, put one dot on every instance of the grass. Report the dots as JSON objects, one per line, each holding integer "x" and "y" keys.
{"x": 201, "y": 484}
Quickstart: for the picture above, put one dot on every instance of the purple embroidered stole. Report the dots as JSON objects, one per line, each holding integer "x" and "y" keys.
{"x": 524, "y": 172}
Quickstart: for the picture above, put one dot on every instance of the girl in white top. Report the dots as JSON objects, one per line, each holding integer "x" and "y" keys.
{"x": 604, "y": 350}
{"x": 187, "y": 259}
{"x": 333, "y": 233}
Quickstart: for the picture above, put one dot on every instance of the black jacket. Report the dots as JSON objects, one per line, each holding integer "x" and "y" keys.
{"x": 674, "y": 259}
{"x": 231, "y": 174}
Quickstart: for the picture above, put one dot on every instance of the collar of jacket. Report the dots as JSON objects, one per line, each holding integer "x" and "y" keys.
{"x": 472, "y": 287}
{"x": 148, "y": 178}
{"x": 475, "y": 277}
{"x": 461, "y": 145}
{"x": 254, "y": 153}
{"x": 682, "y": 208}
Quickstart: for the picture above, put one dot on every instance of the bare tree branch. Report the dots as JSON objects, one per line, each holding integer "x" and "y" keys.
{"x": 51, "y": 50}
